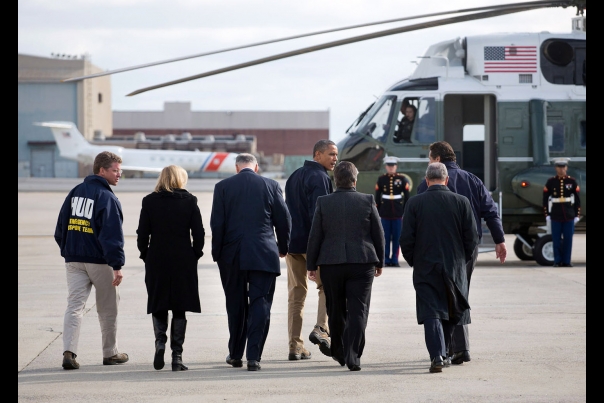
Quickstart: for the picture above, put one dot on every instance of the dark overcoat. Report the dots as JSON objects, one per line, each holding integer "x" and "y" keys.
{"x": 170, "y": 240}
{"x": 346, "y": 228}
{"x": 438, "y": 238}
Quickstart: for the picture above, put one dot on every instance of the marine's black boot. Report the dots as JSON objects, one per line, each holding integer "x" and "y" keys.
{"x": 177, "y": 338}
{"x": 160, "y": 327}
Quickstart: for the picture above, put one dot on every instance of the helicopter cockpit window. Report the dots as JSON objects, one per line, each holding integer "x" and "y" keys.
{"x": 376, "y": 122}
{"x": 425, "y": 121}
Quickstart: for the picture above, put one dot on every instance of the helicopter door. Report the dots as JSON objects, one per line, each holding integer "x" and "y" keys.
{"x": 469, "y": 126}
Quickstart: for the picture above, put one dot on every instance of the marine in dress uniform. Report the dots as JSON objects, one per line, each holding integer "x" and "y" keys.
{"x": 562, "y": 208}
{"x": 391, "y": 194}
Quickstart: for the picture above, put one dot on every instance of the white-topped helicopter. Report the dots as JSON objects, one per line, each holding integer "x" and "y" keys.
{"x": 523, "y": 93}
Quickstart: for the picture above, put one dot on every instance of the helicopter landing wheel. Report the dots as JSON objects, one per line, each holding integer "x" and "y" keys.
{"x": 522, "y": 251}
{"x": 543, "y": 250}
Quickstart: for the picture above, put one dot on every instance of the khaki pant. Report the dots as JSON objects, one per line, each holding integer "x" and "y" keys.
{"x": 297, "y": 288}
{"x": 80, "y": 279}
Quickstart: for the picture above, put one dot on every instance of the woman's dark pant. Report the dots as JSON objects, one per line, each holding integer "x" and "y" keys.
{"x": 348, "y": 293}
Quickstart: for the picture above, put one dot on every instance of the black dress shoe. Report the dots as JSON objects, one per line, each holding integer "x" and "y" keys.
{"x": 558, "y": 265}
{"x": 354, "y": 367}
{"x": 339, "y": 360}
{"x": 460, "y": 357}
{"x": 437, "y": 364}
{"x": 253, "y": 365}
{"x": 232, "y": 361}
{"x": 566, "y": 265}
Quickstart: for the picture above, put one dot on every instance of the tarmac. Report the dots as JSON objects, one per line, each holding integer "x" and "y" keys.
{"x": 528, "y": 331}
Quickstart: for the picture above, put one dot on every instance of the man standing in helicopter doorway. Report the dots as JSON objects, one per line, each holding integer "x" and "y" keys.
{"x": 562, "y": 208}
{"x": 391, "y": 194}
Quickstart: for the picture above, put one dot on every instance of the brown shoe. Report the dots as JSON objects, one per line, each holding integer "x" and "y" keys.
{"x": 300, "y": 353}
{"x": 69, "y": 361}
{"x": 321, "y": 337}
{"x": 119, "y": 358}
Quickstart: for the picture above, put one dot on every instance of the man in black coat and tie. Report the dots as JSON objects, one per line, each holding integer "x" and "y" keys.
{"x": 438, "y": 239}
{"x": 247, "y": 211}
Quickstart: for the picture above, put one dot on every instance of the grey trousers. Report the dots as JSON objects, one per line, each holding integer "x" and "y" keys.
{"x": 80, "y": 279}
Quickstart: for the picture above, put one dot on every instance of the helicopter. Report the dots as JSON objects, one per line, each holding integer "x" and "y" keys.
{"x": 509, "y": 104}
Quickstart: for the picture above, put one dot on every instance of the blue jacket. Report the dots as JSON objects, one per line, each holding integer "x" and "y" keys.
{"x": 248, "y": 212}
{"x": 302, "y": 189}
{"x": 89, "y": 227}
{"x": 483, "y": 206}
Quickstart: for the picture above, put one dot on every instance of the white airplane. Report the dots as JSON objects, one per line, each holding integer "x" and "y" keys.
{"x": 72, "y": 145}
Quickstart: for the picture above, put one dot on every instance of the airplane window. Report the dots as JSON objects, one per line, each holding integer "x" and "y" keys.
{"x": 555, "y": 137}
{"x": 425, "y": 126}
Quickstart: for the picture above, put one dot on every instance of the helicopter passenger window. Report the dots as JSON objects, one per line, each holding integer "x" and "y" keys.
{"x": 555, "y": 137}
{"x": 425, "y": 125}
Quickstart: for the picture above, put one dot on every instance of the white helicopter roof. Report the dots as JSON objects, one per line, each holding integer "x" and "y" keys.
{"x": 505, "y": 63}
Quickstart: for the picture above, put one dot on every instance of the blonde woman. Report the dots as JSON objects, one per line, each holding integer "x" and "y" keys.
{"x": 170, "y": 240}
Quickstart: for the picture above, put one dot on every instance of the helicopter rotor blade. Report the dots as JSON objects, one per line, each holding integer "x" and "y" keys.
{"x": 408, "y": 28}
{"x": 140, "y": 66}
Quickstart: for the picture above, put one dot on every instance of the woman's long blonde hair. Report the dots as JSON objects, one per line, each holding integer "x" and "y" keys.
{"x": 171, "y": 177}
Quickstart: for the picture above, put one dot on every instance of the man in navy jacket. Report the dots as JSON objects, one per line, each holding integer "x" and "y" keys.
{"x": 89, "y": 233}
{"x": 247, "y": 211}
{"x": 483, "y": 206}
{"x": 302, "y": 189}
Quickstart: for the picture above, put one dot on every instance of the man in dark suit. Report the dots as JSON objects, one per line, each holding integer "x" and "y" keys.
{"x": 438, "y": 239}
{"x": 247, "y": 211}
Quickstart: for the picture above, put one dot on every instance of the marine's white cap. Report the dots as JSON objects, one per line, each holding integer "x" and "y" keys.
{"x": 390, "y": 160}
{"x": 561, "y": 162}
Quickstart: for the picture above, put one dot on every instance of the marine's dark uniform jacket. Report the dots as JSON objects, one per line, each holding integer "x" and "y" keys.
{"x": 89, "y": 227}
{"x": 438, "y": 238}
{"x": 467, "y": 184}
{"x": 391, "y": 194}
{"x": 302, "y": 189}
{"x": 565, "y": 202}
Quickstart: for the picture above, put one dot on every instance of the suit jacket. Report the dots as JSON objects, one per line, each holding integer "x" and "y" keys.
{"x": 247, "y": 211}
{"x": 346, "y": 228}
{"x": 439, "y": 236}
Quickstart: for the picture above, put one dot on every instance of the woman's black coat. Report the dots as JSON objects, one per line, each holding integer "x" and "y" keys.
{"x": 167, "y": 224}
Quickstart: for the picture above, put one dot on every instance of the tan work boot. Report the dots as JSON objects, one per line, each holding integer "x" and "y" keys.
{"x": 69, "y": 361}
{"x": 300, "y": 353}
{"x": 119, "y": 358}
{"x": 321, "y": 337}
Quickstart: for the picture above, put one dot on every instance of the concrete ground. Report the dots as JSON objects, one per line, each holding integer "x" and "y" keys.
{"x": 528, "y": 336}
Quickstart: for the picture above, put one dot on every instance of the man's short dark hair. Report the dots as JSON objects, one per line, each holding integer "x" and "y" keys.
{"x": 345, "y": 174}
{"x": 322, "y": 146}
{"x": 105, "y": 159}
{"x": 443, "y": 150}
